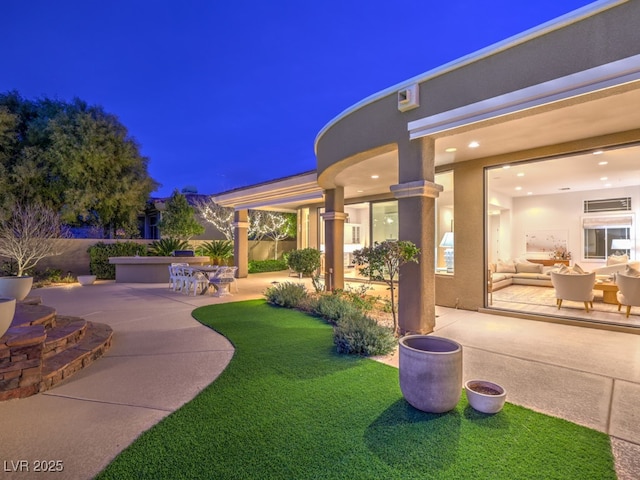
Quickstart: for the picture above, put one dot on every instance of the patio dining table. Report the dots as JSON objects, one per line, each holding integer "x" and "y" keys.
{"x": 209, "y": 271}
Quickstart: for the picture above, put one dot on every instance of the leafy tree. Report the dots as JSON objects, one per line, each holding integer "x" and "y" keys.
{"x": 382, "y": 262}
{"x": 304, "y": 261}
{"x": 31, "y": 233}
{"x": 74, "y": 158}
{"x": 179, "y": 218}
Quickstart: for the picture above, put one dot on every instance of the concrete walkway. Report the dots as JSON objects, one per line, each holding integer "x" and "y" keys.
{"x": 161, "y": 358}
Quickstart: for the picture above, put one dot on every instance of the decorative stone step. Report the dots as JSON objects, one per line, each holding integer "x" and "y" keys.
{"x": 27, "y": 314}
{"x": 67, "y": 332}
{"x": 95, "y": 342}
{"x": 21, "y": 361}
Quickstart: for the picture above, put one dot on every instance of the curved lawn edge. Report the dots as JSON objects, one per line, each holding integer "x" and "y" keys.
{"x": 287, "y": 406}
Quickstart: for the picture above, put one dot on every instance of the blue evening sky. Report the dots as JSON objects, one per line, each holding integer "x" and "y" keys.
{"x": 223, "y": 94}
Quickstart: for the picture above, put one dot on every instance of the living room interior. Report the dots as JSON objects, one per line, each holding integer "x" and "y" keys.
{"x": 571, "y": 210}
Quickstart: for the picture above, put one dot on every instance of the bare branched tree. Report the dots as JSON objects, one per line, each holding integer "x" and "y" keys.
{"x": 31, "y": 233}
{"x": 276, "y": 229}
{"x": 221, "y": 217}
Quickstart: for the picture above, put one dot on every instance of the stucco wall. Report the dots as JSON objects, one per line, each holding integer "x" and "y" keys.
{"x": 75, "y": 259}
{"x": 611, "y": 35}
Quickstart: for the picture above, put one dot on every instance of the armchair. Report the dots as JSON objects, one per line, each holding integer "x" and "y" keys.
{"x": 628, "y": 291}
{"x": 574, "y": 287}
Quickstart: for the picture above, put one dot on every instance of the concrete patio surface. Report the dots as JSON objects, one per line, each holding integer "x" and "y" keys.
{"x": 161, "y": 358}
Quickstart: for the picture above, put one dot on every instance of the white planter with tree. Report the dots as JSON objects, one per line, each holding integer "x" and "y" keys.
{"x": 7, "y": 310}
{"x": 31, "y": 233}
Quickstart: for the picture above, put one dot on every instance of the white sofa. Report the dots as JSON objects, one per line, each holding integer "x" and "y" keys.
{"x": 615, "y": 264}
{"x": 523, "y": 272}
{"x": 518, "y": 272}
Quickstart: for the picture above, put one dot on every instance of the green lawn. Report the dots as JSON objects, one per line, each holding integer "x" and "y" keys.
{"x": 288, "y": 407}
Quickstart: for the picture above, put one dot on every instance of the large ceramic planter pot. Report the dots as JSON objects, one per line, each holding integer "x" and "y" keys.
{"x": 430, "y": 371}
{"x": 7, "y": 310}
{"x": 86, "y": 279}
{"x": 15, "y": 287}
{"x": 485, "y": 397}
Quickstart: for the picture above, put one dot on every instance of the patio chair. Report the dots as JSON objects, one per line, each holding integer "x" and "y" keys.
{"x": 176, "y": 278}
{"x": 223, "y": 279}
{"x": 194, "y": 280}
{"x": 574, "y": 287}
{"x": 628, "y": 291}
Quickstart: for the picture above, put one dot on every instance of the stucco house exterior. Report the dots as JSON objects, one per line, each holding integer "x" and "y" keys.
{"x": 510, "y": 144}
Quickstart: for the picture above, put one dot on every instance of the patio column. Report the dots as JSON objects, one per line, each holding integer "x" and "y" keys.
{"x": 334, "y": 217}
{"x": 416, "y": 194}
{"x": 241, "y": 242}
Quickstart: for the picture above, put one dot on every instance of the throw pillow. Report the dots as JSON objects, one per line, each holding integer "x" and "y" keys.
{"x": 505, "y": 267}
{"x": 528, "y": 267}
{"x": 617, "y": 259}
{"x": 575, "y": 270}
{"x": 632, "y": 272}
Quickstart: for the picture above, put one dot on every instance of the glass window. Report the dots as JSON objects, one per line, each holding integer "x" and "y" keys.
{"x": 444, "y": 224}
{"x": 384, "y": 221}
{"x": 601, "y": 242}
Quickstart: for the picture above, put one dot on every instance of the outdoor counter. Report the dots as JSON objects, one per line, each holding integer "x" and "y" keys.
{"x": 149, "y": 269}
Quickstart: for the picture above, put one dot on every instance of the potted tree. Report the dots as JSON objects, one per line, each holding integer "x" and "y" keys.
{"x": 31, "y": 233}
{"x": 218, "y": 251}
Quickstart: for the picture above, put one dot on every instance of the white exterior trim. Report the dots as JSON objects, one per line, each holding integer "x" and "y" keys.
{"x": 597, "y": 78}
{"x": 552, "y": 25}
{"x": 300, "y": 188}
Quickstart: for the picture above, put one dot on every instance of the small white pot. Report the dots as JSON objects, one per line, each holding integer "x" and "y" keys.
{"x": 15, "y": 287}
{"x": 484, "y": 396}
{"x": 7, "y": 310}
{"x": 86, "y": 279}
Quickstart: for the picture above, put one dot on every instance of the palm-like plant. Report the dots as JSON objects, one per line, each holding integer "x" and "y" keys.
{"x": 217, "y": 250}
{"x": 166, "y": 246}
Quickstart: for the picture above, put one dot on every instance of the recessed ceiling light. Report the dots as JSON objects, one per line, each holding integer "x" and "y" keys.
{"x": 359, "y": 191}
{"x": 520, "y": 174}
{"x": 598, "y": 152}
{"x": 607, "y": 184}
{"x": 375, "y": 176}
{"x": 529, "y": 193}
{"x": 603, "y": 163}
{"x": 474, "y": 144}
{"x": 518, "y": 188}
{"x": 604, "y": 178}
{"x": 451, "y": 149}
{"x": 506, "y": 166}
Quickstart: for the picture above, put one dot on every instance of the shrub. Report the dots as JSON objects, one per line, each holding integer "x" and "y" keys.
{"x": 287, "y": 294}
{"x": 166, "y": 246}
{"x": 219, "y": 251}
{"x": 334, "y": 308}
{"x": 260, "y": 266}
{"x": 100, "y": 252}
{"x": 361, "y": 335}
{"x": 51, "y": 276}
{"x": 305, "y": 261}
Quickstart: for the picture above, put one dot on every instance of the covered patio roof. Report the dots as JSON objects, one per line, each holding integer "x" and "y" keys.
{"x": 282, "y": 194}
